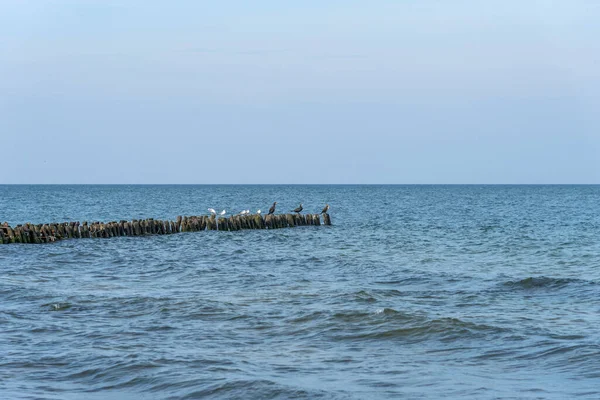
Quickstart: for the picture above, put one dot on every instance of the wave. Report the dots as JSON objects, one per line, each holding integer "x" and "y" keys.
{"x": 387, "y": 324}
{"x": 545, "y": 282}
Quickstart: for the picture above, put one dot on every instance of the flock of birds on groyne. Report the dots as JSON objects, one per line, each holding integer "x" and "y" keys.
{"x": 271, "y": 210}
{"x": 52, "y": 232}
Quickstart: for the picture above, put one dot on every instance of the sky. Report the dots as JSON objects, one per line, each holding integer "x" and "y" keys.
{"x": 270, "y": 91}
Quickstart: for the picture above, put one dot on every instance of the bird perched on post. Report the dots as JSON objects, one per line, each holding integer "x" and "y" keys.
{"x": 222, "y": 212}
{"x": 297, "y": 209}
{"x": 272, "y": 209}
{"x": 325, "y": 209}
{"x": 258, "y": 212}
{"x": 212, "y": 211}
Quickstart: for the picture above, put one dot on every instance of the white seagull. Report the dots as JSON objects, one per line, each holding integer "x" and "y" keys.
{"x": 212, "y": 211}
{"x": 222, "y": 212}
{"x": 258, "y": 212}
{"x": 244, "y": 212}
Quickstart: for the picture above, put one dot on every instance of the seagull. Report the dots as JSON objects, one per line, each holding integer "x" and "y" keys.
{"x": 212, "y": 211}
{"x": 222, "y": 212}
{"x": 325, "y": 209}
{"x": 244, "y": 212}
{"x": 272, "y": 209}
{"x": 298, "y": 209}
{"x": 258, "y": 212}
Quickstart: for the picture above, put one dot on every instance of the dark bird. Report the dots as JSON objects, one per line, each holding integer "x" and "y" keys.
{"x": 298, "y": 209}
{"x": 325, "y": 209}
{"x": 272, "y": 209}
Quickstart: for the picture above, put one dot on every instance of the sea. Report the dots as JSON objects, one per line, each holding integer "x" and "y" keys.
{"x": 414, "y": 292}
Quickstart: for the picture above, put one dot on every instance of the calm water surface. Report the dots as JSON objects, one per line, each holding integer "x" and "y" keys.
{"x": 471, "y": 292}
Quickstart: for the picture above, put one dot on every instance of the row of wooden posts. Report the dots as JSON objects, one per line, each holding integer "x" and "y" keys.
{"x": 46, "y": 233}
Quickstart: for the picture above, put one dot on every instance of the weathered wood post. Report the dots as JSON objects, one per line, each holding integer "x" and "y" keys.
{"x": 18, "y": 235}
{"x": 232, "y": 225}
{"x": 33, "y": 235}
{"x": 184, "y": 227}
{"x": 269, "y": 221}
{"x": 326, "y": 219}
{"x": 11, "y": 235}
{"x": 85, "y": 232}
{"x": 290, "y": 220}
{"x": 222, "y": 225}
{"x": 317, "y": 219}
{"x": 47, "y": 233}
{"x": 260, "y": 221}
{"x": 211, "y": 223}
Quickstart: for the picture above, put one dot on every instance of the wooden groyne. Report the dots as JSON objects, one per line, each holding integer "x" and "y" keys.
{"x": 47, "y": 233}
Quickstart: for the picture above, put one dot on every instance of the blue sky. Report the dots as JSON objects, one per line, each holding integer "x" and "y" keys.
{"x": 115, "y": 91}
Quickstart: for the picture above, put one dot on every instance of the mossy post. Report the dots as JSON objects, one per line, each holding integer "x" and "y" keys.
{"x": 211, "y": 223}
{"x": 222, "y": 225}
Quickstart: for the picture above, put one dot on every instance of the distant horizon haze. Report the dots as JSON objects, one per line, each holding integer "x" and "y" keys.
{"x": 335, "y": 92}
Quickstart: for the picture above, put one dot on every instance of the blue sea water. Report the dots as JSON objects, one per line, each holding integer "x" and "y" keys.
{"x": 470, "y": 292}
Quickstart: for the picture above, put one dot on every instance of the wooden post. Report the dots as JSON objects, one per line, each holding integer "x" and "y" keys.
{"x": 269, "y": 221}
{"x": 211, "y": 223}
{"x": 281, "y": 222}
{"x": 76, "y": 232}
{"x": 290, "y": 220}
{"x": 4, "y": 233}
{"x": 19, "y": 234}
{"x": 232, "y": 225}
{"x": 11, "y": 235}
{"x": 27, "y": 232}
{"x": 33, "y": 235}
{"x": 109, "y": 229}
{"x": 326, "y": 219}
{"x": 47, "y": 233}
{"x": 222, "y": 225}
{"x": 317, "y": 219}
{"x": 23, "y": 234}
